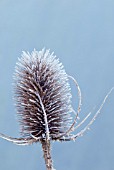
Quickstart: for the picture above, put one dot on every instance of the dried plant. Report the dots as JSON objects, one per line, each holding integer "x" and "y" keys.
{"x": 43, "y": 102}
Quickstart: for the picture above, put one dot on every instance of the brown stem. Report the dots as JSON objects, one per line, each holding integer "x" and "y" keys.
{"x": 47, "y": 154}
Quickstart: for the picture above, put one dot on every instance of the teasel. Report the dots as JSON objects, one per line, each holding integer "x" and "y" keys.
{"x": 43, "y": 100}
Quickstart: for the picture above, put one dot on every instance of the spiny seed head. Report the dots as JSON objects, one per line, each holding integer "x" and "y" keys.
{"x": 42, "y": 94}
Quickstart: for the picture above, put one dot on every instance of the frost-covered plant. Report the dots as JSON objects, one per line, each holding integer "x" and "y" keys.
{"x": 43, "y": 102}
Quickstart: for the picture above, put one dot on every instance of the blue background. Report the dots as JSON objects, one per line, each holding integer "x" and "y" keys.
{"x": 81, "y": 33}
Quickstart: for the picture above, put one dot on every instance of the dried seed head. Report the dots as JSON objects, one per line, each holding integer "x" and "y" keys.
{"x": 43, "y": 100}
{"x": 42, "y": 94}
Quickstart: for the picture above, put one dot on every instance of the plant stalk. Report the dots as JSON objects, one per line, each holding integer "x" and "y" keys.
{"x": 47, "y": 154}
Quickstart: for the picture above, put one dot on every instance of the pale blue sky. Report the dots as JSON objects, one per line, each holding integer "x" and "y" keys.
{"x": 81, "y": 33}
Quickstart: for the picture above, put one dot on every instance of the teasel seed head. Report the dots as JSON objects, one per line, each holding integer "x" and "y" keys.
{"x": 42, "y": 95}
{"x": 43, "y": 100}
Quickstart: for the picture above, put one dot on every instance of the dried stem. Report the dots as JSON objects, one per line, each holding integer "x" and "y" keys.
{"x": 47, "y": 154}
